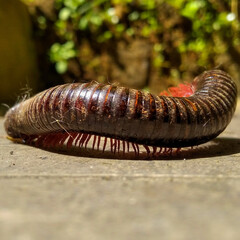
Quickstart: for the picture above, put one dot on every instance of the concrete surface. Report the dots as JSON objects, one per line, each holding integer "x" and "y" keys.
{"x": 47, "y": 195}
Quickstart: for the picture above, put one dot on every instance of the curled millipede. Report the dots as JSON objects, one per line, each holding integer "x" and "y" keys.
{"x": 71, "y": 114}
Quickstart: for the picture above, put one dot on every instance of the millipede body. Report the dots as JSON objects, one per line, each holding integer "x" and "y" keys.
{"x": 125, "y": 115}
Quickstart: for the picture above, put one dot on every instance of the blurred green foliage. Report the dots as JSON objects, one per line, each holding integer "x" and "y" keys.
{"x": 205, "y": 28}
{"x": 60, "y": 53}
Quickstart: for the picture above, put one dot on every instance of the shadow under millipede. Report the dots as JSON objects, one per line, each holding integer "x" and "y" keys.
{"x": 221, "y": 146}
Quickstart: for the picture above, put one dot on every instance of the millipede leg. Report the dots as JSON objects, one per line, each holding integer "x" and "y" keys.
{"x": 165, "y": 150}
{"x": 104, "y": 144}
{"x": 82, "y": 140}
{"x": 128, "y": 146}
{"x": 77, "y": 139}
{"x": 170, "y": 151}
{"x": 118, "y": 148}
{"x": 147, "y": 150}
{"x": 123, "y": 143}
{"x": 55, "y": 142}
{"x": 134, "y": 148}
{"x": 63, "y": 139}
{"x": 137, "y": 148}
{"x": 71, "y": 139}
{"x": 29, "y": 139}
{"x": 45, "y": 141}
{"x": 154, "y": 151}
{"x": 94, "y": 141}
{"x": 111, "y": 144}
{"x": 160, "y": 150}
{"x": 87, "y": 140}
{"x": 178, "y": 150}
{"x": 115, "y": 145}
{"x": 40, "y": 141}
{"x": 98, "y": 143}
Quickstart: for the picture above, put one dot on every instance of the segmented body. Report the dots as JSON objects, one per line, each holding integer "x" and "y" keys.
{"x": 127, "y": 114}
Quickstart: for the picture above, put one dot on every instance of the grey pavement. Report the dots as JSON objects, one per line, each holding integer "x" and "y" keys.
{"x": 50, "y": 195}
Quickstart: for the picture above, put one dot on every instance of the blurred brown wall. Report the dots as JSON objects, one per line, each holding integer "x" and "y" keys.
{"x": 18, "y": 67}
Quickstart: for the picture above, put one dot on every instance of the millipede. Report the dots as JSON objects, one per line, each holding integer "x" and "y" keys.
{"x": 72, "y": 114}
